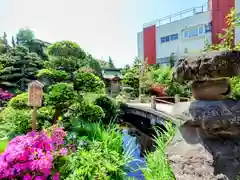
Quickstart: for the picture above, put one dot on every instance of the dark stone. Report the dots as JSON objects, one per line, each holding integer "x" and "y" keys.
{"x": 217, "y": 118}
{"x": 215, "y": 64}
{"x": 211, "y": 90}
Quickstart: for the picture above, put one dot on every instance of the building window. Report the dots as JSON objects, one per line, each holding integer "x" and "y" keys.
{"x": 186, "y": 34}
{"x": 174, "y": 37}
{"x": 169, "y": 38}
{"x": 163, "y": 39}
{"x": 193, "y": 32}
{"x": 200, "y": 30}
{"x": 208, "y": 27}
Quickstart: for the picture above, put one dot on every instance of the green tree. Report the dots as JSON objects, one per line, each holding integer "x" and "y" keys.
{"x": 3, "y": 48}
{"x": 125, "y": 69}
{"x": 103, "y": 64}
{"x": 26, "y": 37}
{"x": 66, "y": 55}
{"x": 66, "y": 49}
{"x": 19, "y": 67}
{"x": 94, "y": 64}
{"x": 136, "y": 77}
{"x": 60, "y": 96}
{"x": 110, "y": 63}
{"x": 172, "y": 60}
{"x": 88, "y": 82}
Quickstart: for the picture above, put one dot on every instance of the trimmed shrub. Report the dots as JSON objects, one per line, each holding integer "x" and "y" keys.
{"x": 92, "y": 113}
{"x": 20, "y": 101}
{"x": 59, "y": 94}
{"x": 88, "y": 82}
{"x": 15, "y": 121}
{"x": 53, "y": 74}
{"x": 109, "y": 107}
{"x": 86, "y": 111}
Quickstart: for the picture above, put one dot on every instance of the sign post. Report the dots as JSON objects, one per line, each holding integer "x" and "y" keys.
{"x": 35, "y": 97}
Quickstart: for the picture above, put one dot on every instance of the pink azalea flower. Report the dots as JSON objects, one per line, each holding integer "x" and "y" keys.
{"x": 32, "y": 153}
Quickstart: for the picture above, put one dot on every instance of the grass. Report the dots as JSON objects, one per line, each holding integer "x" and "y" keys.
{"x": 157, "y": 165}
{"x": 3, "y": 145}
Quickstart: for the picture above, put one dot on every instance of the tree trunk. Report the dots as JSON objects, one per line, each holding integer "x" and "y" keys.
{"x": 56, "y": 115}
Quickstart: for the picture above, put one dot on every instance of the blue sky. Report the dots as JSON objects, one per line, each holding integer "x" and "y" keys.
{"x": 101, "y": 27}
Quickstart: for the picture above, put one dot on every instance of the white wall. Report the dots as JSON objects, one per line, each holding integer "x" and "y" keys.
{"x": 237, "y": 29}
{"x": 140, "y": 45}
{"x": 178, "y": 46}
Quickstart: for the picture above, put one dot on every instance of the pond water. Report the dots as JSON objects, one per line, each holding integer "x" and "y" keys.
{"x": 136, "y": 143}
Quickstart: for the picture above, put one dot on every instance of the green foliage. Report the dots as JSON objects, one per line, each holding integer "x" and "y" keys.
{"x": 53, "y": 74}
{"x": 227, "y": 43}
{"x": 3, "y": 48}
{"x": 109, "y": 107}
{"x": 66, "y": 49}
{"x": 86, "y": 111}
{"x": 95, "y": 163}
{"x": 44, "y": 117}
{"x": 3, "y": 145}
{"x": 163, "y": 76}
{"x": 60, "y": 95}
{"x": 172, "y": 60}
{"x": 227, "y": 37}
{"x": 235, "y": 83}
{"x": 92, "y": 113}
{"x": 157, "y": 164}
{"x": 131, "y": 79}
{"x": 101, "y": 158}
{"x": 19, "y": 102}
{"x": 88, "y": 82}
{"x": 68, "y": 64}
{"x": 19, "y": 67}
{"x": 24, "y": 36}
{"x": 14, "y": 121}
{"x": 137, "y": 78}
{"x": 110, "y": 63}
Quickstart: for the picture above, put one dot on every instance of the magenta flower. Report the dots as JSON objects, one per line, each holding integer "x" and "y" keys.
{"x": 32, "y": 154}
{"x": 5, "y": 96}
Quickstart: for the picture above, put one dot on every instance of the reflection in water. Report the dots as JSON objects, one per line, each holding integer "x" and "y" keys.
{"x": 137, "y": 143}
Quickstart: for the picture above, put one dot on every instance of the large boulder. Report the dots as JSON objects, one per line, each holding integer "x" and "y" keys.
{"x": 208, "y": 65}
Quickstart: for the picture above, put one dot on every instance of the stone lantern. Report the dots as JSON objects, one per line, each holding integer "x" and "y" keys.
{"x": 35, "y": 97}
{"x": 209, "y": 138}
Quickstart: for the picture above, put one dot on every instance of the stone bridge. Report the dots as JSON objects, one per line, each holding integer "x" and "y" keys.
{"x": 146, "y": 115}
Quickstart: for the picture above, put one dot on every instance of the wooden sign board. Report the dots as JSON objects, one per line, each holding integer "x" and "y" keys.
{"x": 35, "y": 94}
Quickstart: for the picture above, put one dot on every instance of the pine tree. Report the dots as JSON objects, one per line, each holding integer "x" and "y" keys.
{"x": 110, "y": 63}
{"x": 19, "y": 67}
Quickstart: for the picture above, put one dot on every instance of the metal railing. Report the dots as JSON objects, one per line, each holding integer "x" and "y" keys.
{"x": 178, "y": 16}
